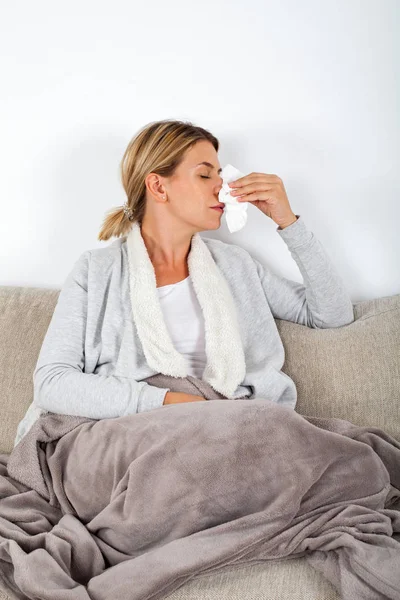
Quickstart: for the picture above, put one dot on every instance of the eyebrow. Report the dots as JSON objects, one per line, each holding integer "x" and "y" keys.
{"x": 208, "y": 165}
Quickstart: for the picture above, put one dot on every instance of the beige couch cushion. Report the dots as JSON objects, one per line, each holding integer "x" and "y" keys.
{"x": 287, "y": 579}
{"x": 25, "y": 314}
{"x": 283, "y": 579}
{"x": 350, "y": 372}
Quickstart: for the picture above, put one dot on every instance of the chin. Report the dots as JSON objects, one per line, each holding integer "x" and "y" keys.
{"x": 217, "y": 225}
{"x": 210, "y": 227}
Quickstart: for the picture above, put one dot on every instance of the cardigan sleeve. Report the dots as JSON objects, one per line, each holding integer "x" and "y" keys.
{"x": 322, "y": 301}
{"x": 59, "y": 382}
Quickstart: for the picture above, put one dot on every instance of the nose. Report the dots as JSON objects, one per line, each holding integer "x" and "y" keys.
{"x": 219, "y": 187}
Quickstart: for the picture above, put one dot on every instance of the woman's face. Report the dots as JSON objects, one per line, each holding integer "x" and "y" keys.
{"x": 192, "y": 191}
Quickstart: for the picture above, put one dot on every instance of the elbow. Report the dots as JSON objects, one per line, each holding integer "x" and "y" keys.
{"x": 349, "y": 317}
{"x": 40, "y": 395}
{"x": 45, "y": 386}
{"x": 346, "y": 316}
{"x": 340, "y": 318}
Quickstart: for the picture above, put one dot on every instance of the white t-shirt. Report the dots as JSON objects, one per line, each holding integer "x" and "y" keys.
{"x": 185, "y": 322}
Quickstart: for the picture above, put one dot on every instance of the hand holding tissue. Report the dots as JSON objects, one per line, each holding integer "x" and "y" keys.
{"x": 235, "y": 212}
{"x": 271, "y": 198}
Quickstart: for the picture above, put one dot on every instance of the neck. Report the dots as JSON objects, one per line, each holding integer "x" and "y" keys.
{"x": 167, "y": 249}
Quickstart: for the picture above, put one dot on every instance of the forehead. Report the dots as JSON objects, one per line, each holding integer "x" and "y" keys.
{"x": 202, "y": 154}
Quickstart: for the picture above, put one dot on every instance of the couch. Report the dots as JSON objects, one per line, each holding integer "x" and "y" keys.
{"x": 351, "y": 372}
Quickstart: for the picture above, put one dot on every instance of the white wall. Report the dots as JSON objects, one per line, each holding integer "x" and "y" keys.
{"x": 306, "y": 90}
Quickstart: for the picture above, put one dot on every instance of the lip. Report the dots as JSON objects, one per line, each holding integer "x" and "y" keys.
{"x": 220, "y": 208}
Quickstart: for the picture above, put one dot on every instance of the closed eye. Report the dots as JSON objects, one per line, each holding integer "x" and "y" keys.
{"x": 204, "y": 177}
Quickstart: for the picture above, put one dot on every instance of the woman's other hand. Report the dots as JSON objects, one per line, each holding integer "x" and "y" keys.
{"x": 176, "y": 397}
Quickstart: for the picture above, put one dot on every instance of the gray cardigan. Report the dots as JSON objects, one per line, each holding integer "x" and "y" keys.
{"x": 94, "y": 356}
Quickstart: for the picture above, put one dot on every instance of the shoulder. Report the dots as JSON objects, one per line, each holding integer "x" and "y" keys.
{"x": 105, "y": 254}
{"x": 97, "y": 262}
{"x": 220, "y": 249}
{"x": 234, "y": 261}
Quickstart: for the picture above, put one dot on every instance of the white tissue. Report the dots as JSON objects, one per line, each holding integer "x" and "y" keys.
{"x": 235, "y": 212}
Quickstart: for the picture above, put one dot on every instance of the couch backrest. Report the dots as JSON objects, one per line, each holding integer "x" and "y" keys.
{"x": 350, "y": 372}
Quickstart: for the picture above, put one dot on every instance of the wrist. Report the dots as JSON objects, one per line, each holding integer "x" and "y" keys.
{"x": 288, "y": 222}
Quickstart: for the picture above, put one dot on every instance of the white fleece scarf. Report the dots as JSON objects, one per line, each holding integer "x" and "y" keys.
{"x": 225, "y": 368}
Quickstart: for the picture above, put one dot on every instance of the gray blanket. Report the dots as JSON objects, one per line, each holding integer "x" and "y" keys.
{"x": 131, "y": 508}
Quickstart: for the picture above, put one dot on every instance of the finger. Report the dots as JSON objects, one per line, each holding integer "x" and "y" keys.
{"x": 254, "y": 177}
{"x": 263, "y": 195}
{"x": 252, "y": 187}
{"x": 244, "y": 180}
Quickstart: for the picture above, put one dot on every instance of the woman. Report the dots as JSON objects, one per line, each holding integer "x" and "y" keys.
{"x": 149, "y": 320}
{"x": 161, "y": 301}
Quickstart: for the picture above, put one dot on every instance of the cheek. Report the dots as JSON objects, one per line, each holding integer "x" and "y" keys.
{"x": 181, "y": 193}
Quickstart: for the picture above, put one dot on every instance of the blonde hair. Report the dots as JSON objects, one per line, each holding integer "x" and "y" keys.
{"x": 159, "y": 147}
